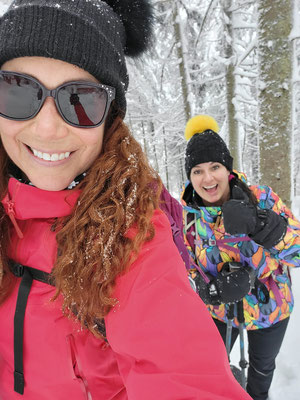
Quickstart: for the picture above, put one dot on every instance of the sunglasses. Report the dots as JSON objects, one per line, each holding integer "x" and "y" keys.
{"x": 80, "y": 104}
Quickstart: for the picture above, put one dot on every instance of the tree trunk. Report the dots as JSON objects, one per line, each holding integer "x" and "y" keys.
{"x": 166, "y": 161}
{"x": 233, "y": 133}
{"x": 153, "y": 143}
{"x": 275, "y": 127}
{"x": 183, "y": 67}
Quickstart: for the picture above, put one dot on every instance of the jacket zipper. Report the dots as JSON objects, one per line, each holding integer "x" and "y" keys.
{"x": 11, "y": 212}
{"x": 76, "y": 367}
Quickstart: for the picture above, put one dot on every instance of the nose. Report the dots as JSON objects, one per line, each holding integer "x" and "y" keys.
{"x": 207, "y": 176}
{"x": 48, "y": 124}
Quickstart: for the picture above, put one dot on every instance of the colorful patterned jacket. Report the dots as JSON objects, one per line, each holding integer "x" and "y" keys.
{"x": 210, "y": 248}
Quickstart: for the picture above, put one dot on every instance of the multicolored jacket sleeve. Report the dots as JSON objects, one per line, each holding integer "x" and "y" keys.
{"x": 287, "y": 251}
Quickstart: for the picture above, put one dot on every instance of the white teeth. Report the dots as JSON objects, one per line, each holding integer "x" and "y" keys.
{"x": 54, "y": 157}
{"x": 209, "y": 187}
{"x": 46, "y": 157}
{"x": 50, "y": 157}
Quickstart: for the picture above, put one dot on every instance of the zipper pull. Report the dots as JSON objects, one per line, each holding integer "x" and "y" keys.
{"x": 11, "y": 214}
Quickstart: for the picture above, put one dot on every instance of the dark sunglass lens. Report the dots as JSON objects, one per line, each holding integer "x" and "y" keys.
{"x": 20, "y": 97}
{"x": 82, "y": 104}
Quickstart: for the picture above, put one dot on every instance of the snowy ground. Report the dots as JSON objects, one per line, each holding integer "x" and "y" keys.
{"x": 286, "y": 382}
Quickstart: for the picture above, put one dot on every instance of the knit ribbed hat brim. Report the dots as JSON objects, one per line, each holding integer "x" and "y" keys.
{"x": 84, "y": 33}
{"x": 204, "y": 147}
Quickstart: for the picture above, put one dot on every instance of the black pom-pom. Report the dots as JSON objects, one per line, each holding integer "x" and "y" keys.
{"x": 137, "y": 17}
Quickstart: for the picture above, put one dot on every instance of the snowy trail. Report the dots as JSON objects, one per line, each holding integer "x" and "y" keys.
{"x": 286, "y": 381}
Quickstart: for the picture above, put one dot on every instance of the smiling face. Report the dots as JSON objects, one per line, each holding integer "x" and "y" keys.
{"x": 50, "y": 152}
{"x": 210, "y": 181}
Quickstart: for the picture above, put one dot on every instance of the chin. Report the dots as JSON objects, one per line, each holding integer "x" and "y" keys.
{"x": 213, "y": 202}
{"x": 51, "y": 185}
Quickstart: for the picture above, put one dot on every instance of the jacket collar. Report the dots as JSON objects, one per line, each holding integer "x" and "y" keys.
{"x": 28, "y": 202}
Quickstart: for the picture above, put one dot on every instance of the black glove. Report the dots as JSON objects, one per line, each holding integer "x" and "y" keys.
{"x": 229, "y": 286}
{"x": 240, "y": 216}
{"x": 202, "y": 287}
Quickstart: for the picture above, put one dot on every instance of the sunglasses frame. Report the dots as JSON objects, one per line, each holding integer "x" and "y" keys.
{"x": 111, "y": 93}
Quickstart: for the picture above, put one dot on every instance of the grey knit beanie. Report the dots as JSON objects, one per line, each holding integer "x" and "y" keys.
{"x": 94, "y": 35}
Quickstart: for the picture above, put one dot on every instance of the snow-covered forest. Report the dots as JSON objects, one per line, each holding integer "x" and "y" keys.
{"x": 239, "y": 61}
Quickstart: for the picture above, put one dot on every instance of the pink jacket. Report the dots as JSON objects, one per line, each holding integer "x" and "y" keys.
{"x": 162, "y": 342}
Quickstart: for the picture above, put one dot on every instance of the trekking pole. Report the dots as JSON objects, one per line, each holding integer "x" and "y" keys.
{"x": 243, "y": 362}
{"x": 230, "y": 316}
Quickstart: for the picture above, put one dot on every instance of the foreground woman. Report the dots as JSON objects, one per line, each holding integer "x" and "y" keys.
{"x": 235, "y": 233}
{"x": 80, "y": 222}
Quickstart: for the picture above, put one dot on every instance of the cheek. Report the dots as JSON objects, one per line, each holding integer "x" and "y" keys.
{"x": 221, "y": 176}
{"x": 92, "y": 142}
{"x": 92, "y": 139}
{"x": 195, "y": 180}
{"x": 8, "y": 134}
{"x": 8, "y": 128}
{"x": 224, "y": 184}
{"x": 192, "y": 180}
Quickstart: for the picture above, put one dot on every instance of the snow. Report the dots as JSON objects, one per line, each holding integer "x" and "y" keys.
{"x": 287, "y": 374}
{"x": 286, "y": 382}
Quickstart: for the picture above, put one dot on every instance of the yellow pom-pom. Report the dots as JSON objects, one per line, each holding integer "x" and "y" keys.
{"x": 199, "y": 124}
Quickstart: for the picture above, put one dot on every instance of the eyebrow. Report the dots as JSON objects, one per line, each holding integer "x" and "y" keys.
{"x": 210, "y": 162}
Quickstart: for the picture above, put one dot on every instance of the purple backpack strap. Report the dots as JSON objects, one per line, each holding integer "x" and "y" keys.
{"x": 223, "y": 242}
{"x": 173, "y": 210}
{"x": 273, "y": 286}
{"x": 191, "y": 236}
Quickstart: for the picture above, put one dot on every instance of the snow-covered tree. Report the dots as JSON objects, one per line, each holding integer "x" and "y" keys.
{"x": 274, "y": 108}
{"x": 237, "y": 60}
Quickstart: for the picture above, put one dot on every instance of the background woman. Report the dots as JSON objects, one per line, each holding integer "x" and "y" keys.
{"x": 228, "y": 224}
{"x": 80, "y": 222}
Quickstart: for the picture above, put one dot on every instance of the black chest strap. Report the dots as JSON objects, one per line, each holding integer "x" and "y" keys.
{"x": 27, "y": 275}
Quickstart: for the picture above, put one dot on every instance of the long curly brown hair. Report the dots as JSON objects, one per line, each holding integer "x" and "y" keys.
{"x": 119, "y": 192}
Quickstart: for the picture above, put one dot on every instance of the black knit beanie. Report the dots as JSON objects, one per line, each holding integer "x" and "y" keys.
{"x": 205, "y": 145}
{"x": 94, "y": 35}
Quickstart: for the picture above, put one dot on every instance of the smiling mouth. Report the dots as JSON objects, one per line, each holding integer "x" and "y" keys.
{"x": 208, "y": 188}
{"x": 48, "y": 156}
